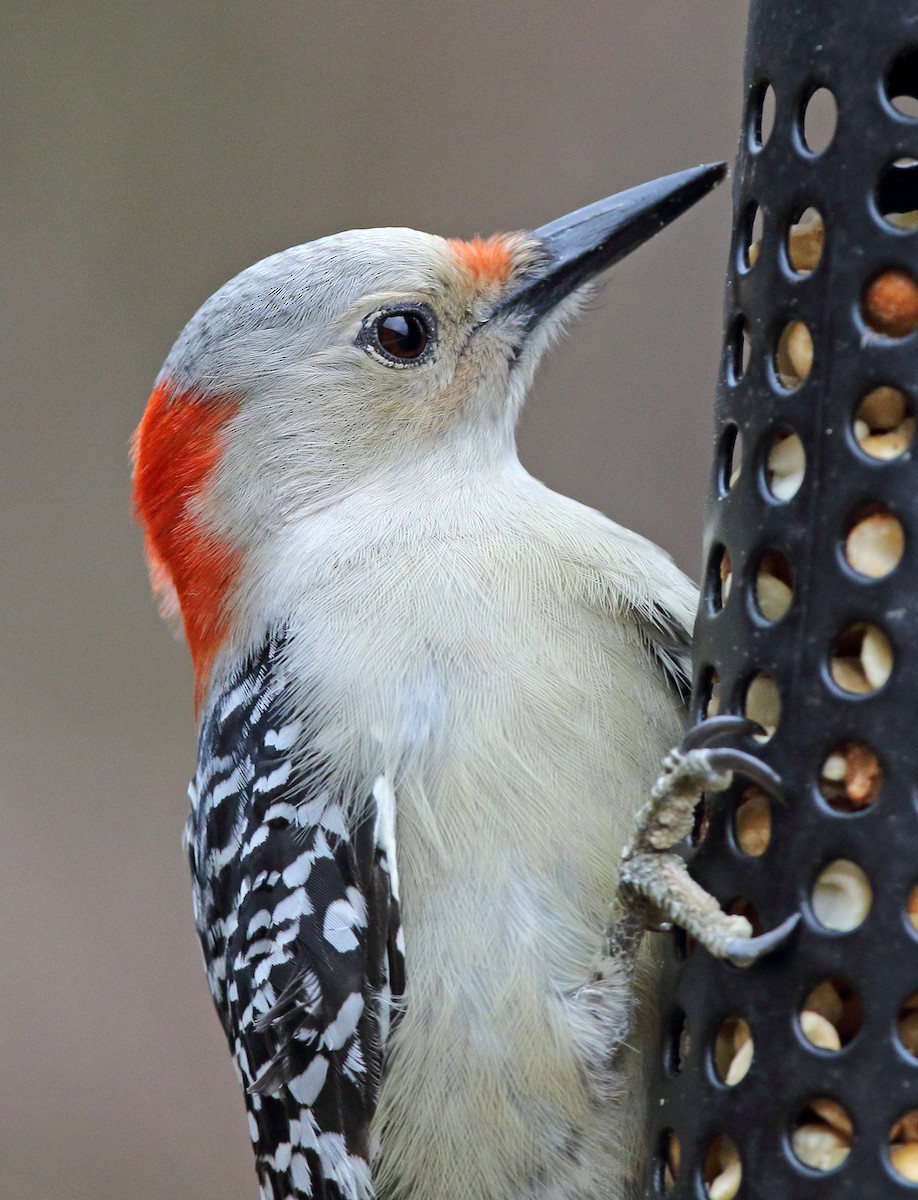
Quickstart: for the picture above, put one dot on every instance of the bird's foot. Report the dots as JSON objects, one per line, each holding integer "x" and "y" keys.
{"x": 653, "y": 877}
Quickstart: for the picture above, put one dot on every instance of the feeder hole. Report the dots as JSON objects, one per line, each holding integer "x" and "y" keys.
{"x": 820, "y": 117}
{"x": 670, "y": 1159}
{"x": 752, "y": 229}
{"x": 722, "y": 1172}
{"x": 679, "y": 1044}
{"x": 762, "y": 115}
{"x": 762, "y": 704}
{"x": 729, "y": 458}
{"x": 793, "y": 358}
{"x": 902, "y": 83}
{"x": 907, "y": 1024}
{"x": 701, "y": 823}
{"x": 709, "y": 694}
{"x": 841, "y": 896}
{"x": 719, "y": 578}
{"x": 773, "y": 585}
{"x": 785, "y": 465}
{"x": 883, "y": 424}
{"x": 850, "y": 777}
{"x": 831, "y": 1015}
{"x": 805, "y": 240}
{"x": 889, "y": 304}
{"x": 752, "y": 822}
{"x": 897, "y": 193}
{"x": 733, "y": 1050}
{"x": 875, "y": 541}
{"x": 903, "y": 1146}
{"x": 821, "y": 1137}
{"x": 739, "y": 349}
{"x": 862, "y": 660}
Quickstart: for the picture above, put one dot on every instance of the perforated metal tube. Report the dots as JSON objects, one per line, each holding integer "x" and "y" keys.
{"x": 810, "y": 607}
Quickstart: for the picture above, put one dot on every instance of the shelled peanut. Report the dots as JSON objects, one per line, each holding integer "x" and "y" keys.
{"x": 890, "y": 303}
{"x": 794, "y": 358}
{"x": 875, "y": 544}
{"x": 883, "y": 426}
{"x": 773, "y": 592}
{"x": 903, "y": 1145}
{"x": 841, "y": 896}
{"x": 733, "y": 1050}
{"x": 822, "y": 1138}
{"x": 819, "y": 1031}
{"x": 851, "y": 776}
{"x": 804, "y": 244}
{"x": 862, "y": 659}
{"x": 752, "y": 823}
{"x": 723, "y": 1170}
{"x": 785, "y": 466}
{"x": 763, "y": 705}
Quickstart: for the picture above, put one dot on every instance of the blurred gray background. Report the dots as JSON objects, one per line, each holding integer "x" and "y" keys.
{"x": 150, "y": 151}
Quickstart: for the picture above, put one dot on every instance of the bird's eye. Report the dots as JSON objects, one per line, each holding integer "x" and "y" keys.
{"x": 403, "y": 336}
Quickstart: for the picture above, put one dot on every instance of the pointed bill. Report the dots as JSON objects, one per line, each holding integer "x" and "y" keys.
{"x": 583, "y": 243}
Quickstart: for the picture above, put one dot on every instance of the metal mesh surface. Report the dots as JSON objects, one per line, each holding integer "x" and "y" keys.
{"x": 810, "y": 605}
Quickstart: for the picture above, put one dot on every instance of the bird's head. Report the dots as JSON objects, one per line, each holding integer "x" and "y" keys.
{"x": 348, "y": 359}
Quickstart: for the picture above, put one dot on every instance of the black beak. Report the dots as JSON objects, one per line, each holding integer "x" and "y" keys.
{"x": 585, "y": 242}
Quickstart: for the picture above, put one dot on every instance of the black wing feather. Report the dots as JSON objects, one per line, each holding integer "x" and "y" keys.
{"x": 299, "y": 926}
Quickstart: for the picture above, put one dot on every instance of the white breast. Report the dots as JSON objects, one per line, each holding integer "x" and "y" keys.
{"x": 480, "y": 665}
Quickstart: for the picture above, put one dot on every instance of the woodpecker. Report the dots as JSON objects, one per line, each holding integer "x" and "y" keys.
{"x": 433, "y": 695}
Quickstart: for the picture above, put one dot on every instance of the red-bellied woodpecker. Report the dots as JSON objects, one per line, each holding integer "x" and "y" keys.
{"x": 433, "y": 695}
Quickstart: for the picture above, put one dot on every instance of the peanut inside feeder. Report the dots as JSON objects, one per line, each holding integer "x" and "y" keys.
{"x": 862, "y": 659}
{"x": 851, "y": 777}
{"x": 752, "y": 822}
{"x": 875, "y": 542}
{"x": 763, "y": 704}
{"x": 733, "y": 1050}
{"x": 890, "y": 303}
{"x": 821, "y": 1138}
{"x": 794, "y": 355}
{"x": 884, "y": 426}
{"x": 841, "y": 896}
{"x": 831, "y": 1015}
{"x": 723, "y": 1170}
{"x": 805, "y": 241}
{"x": 903, "y": 1146}
{"x": 785, "y": 465}
{"x": 671, "y": 1158}
{"x": 827, "y": 283}
{"x": 773, "y": 585}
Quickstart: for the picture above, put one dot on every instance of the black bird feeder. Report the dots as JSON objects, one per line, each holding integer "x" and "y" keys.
{"x": 797, "y": 1078}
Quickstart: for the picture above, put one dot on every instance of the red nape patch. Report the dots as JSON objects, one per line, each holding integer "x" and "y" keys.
{"x": 176, "y": 447}
{"x": 488, "y": 260}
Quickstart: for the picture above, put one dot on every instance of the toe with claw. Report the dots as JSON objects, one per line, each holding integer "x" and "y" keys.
{"x": 652, "y": 873}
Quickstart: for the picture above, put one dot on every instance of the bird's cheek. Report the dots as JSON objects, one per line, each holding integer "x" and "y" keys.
{"x": 439, "y": 410}
{"x": 480, "y": 375}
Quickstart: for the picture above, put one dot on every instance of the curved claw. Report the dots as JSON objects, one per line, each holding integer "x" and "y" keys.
{"x": 753, "y": 769}
{"x": 744, "y": 951}
{"x": 714, "y": 728}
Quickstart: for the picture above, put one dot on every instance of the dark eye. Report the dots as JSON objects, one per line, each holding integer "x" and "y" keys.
{"x": 401, "y": 335}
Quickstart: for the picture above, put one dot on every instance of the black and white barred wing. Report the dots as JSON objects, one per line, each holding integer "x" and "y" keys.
{"x": 296, "y": 904}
